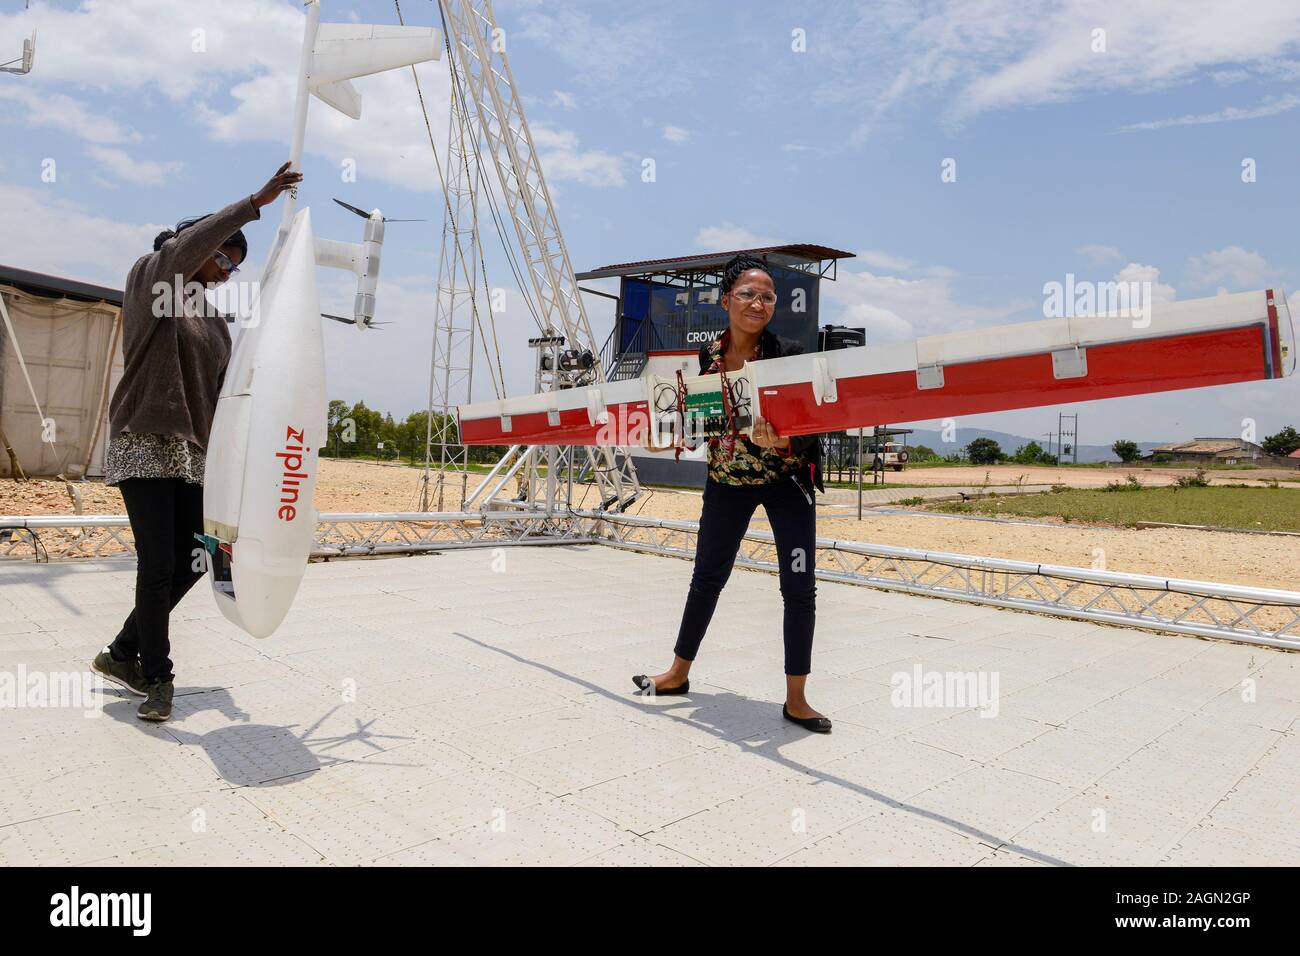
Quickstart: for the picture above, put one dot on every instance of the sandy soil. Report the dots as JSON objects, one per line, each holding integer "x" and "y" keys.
{"x": 1264, "y": 561}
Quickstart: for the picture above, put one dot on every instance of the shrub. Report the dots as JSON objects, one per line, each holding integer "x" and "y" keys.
{"x": 1197, "y": 480}
{"x": 1130, "y": 483}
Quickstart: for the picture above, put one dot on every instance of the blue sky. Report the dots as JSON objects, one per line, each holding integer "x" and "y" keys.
{"x": 1125, "y": 161}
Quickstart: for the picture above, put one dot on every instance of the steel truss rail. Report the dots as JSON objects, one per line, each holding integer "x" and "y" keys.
{"x": 1230, "y": 612}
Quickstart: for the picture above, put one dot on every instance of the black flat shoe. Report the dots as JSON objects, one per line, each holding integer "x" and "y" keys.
{"x": 641, "y": 681}
{"x": 818, "y": 725}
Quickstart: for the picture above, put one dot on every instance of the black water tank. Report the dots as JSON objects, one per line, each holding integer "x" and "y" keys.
{"x": 833, "y": 337}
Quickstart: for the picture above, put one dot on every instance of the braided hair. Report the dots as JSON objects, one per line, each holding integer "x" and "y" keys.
{"x": 738, "y": 265}
{"x": 238, "y": 241}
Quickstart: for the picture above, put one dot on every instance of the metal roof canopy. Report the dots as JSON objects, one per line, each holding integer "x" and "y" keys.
{"x": 800, "y": 256}
{"x": 50, "y": 286}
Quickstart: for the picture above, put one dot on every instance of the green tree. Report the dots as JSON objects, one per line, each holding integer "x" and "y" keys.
{"x": 984, "y": 451}
{"x": 1126, "y": 450}
{"x": 1028, "y": 454}
{"x": 1283, "y": 443}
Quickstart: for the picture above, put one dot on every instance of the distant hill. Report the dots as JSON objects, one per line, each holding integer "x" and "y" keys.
{"x": 1088, "y": 454}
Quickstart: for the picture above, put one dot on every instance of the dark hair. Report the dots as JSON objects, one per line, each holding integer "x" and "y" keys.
{"x": 738, "y": 266}
{"x": 237, "y": 240}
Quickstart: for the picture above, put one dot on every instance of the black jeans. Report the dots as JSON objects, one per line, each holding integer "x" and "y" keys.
{"x": 723, "y": 522}
{"x": 165, "y": 515}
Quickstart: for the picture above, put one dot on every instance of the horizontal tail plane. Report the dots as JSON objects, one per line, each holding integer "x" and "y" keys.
{"x": 1191, "y": 344}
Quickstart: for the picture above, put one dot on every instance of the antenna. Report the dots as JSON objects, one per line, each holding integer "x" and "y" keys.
{"x": 25, "y": 61}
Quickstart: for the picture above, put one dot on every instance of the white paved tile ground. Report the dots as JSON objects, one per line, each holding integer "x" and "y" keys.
{"x": 476, "y": 707}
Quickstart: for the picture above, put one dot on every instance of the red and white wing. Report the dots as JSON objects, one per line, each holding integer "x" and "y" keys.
{"x": 1178, "y": 345}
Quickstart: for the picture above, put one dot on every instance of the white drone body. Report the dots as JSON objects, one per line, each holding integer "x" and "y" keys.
{"x": 259, "y": 517}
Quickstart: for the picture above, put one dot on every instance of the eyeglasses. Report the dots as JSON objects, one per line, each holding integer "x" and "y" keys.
{"x": 227, "y": 264}
{"x": 748, "y": 295}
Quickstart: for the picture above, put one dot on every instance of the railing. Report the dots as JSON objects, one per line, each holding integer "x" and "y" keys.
{"x": 619, "y": 363}
{"x": 1201, "y": 608}
{"x": 1229, "y": 612}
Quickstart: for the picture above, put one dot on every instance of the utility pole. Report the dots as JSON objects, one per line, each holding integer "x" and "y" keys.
{"x": 1073, "y": 448}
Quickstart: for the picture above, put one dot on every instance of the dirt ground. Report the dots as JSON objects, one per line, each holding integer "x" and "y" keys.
{"x": 1259, "y": 560}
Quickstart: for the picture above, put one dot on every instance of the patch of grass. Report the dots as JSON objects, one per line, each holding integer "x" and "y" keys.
{"x": 1220, "y": 506}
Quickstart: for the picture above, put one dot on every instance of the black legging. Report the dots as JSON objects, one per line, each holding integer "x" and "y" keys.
{"x": 723, "y": 522}
{"x": 165, "y": 515}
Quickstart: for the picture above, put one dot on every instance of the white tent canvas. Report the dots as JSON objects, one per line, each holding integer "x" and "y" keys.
{"x": 65, "y": 344}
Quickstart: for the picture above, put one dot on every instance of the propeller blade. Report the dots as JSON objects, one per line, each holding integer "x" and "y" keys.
{"x": 339, "y": 318}
{"x": 386, "y": 219}
{"x": 348, "y": 206}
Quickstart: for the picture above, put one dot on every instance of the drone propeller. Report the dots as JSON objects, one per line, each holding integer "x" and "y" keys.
{"x": 347, "y": 321}
{"x": 365, "y": 215}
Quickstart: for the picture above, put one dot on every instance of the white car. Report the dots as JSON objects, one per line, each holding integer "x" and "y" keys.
{"x": 891, "y": 454}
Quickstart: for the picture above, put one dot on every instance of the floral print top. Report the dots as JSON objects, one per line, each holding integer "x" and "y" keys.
{"x": 736, "y": 460}
{"x": 149, "y": 455}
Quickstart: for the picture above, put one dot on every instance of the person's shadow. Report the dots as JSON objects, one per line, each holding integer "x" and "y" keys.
{"x": 247, "y": 754}
{"x": 737, "y": 719}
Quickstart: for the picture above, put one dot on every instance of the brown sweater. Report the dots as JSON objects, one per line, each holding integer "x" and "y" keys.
{"x": 174, "y": 362}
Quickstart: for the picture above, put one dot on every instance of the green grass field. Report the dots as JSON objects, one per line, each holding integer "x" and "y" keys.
{"x": 1225, "y": 506}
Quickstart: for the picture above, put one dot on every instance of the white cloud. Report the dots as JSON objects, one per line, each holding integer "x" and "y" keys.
{"x": 388, "y": 366}
{"x": 64, "y": 238}
{"x": 1097, "y": 255}
{"x": 1005, "y": 54}
{"x": 893, "y": 307}
{"x": 1232, "y": 266}
{"x": 142, "y": 172}
{"x": 174, "y": 48}
{"x": 1136, "y": 272}
{"x": 1270, "y": 107}
{"x": 192, "y": 53}
{"x": 567, "y": 100}
{"x": 881, "y": 324}
{"x": 728, "y": 236}
{"x": 605, "y": 53}
{"x": 888, "y": 262}
{"x": 42, "y": 108}
{"x": 177, "y": 49}
{"x": 883, "y": 260}
{"x": 675, "y": 134}
{"x": 1230, "y": 76}
{"x": 389, "y": 142}
{"x": 562, "y": 159}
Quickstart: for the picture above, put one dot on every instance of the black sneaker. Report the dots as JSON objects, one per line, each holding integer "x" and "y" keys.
{"x": 158, "y": 705}
{"x": 123, "y": 673}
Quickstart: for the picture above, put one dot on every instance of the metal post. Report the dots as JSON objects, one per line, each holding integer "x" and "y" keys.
{"x": 859, "y": 474}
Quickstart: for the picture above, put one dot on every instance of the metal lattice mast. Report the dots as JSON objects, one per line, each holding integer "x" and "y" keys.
{"x": 480, "y": 60}
{"x": 451, "y": 375}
